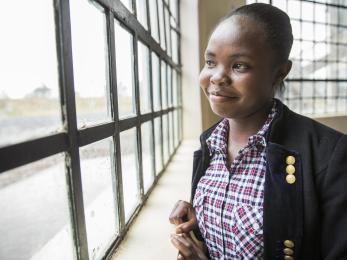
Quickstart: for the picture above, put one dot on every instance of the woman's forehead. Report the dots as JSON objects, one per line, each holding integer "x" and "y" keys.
{"x": 237, "y": 32}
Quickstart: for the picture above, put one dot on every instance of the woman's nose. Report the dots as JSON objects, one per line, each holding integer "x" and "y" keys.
{"x": 220, "y": 78}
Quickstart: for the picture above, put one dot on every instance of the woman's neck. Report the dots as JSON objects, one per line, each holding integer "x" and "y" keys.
{"x": 240, "y": 129}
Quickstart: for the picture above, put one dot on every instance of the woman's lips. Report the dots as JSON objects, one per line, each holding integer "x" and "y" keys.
{"x": 221, "y": 99}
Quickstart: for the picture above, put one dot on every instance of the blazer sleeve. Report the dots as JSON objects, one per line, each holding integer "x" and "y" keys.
{"x": 333, "y": 196}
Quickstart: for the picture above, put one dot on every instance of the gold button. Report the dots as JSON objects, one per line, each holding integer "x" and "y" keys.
{"x": 288, "y": 243}
{"x": 290, "y": 160}
{"x": 287, "y": 257}
{"x": 290, "y": 169}
{"x": 288, "y": 251}
{"x": 290, "y": 179}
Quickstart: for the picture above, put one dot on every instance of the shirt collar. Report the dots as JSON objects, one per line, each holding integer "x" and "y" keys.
{"x": 218, "y": 140}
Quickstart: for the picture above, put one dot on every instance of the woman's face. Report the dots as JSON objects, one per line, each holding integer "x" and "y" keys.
{"x": 239, "y": 73}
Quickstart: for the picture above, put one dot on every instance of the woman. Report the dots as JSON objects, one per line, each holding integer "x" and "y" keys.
{"x": 267, "y": 183}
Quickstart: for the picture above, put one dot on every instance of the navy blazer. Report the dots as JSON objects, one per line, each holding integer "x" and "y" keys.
{"x": 306, "y": 219}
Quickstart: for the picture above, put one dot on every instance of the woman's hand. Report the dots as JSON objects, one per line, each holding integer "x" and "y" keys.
{"x": 187, "y": 248}
{"x": 183, "y": 216}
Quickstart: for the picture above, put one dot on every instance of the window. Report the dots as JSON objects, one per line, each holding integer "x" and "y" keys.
{"x": 91, "y": 114}
{"x": 317, "y": 83}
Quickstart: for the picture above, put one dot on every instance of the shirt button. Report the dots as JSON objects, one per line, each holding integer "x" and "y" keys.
{"x": 289, "y": 243}
{"x": 290, "y": 169}
{"x": 290, "y": 179}
{"x": 290, "y": 160}
{"x": 288, "y": 251}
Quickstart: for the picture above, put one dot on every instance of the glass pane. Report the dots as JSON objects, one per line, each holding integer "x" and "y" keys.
{"x": 307, "y": 31}
{"x": 161, "y": 24}
{"x": 294, "y": 9}
{"x": 165, "y": 138}
{"x": 176, "y": 125}
{"x": 307, "y": 13}
{"x": 154, "y": 19}
{"x": 89, "y": 49}
{"x": 174, "y": 87}
{"x": 158, "y": 145}
{"x": 155, "y": 80}
{"x": 171, "y": 146}
{"x": 127, "y": 4}
{"x": 142, "y": 12}
{"x": 29, "y": 92}
{"x": 35, "y": 216}
{"x": 147, "y": 156}
{"x": 169, "y": 85}
{"x": 143, "y": 59}
{"x": 163, "y": 85}
{"x": 174, "y": 40}
{"x": 173, "y": 8}
{"x": 129, "y": 171}
{"x": 167, "y": 31}
{"x": 125, "y": 68}
{"x": 98, "y": 196}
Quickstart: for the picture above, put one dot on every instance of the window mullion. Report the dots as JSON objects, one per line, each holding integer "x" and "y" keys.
{"x": 66, "y": 83}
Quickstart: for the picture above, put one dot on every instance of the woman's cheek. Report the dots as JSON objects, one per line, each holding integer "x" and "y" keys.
{"x": 204, "y": 80}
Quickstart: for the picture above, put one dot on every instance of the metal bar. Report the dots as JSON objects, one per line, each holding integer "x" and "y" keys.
{"x": 92, "y": 134}
{"x": 66, "y": 83}
{"x": 327, "y": 4}
{"x": 26, "y": 152}
{"x": 315, "y": 80}
{"x": 118, "y": 190}
{"x": 130, "y": 21}
{"x": 138, "y": 123}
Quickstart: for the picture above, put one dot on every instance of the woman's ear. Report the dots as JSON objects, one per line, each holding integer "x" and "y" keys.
{"x": 282, "y": 72}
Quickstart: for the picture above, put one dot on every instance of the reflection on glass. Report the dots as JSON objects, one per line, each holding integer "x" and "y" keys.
{"x": 98, "y": 196}
{"x": 35, "y": 217}
{"x": 147, "y": 156}
{"x": 29, "y": 92}
{"x": 158, "y": 145}
{"x": 155, "y": 81}
{"x": 129, "y": 171}
{"x": 125, "y": 68}
{"x": 165, "y": 138}
{"x": 143, "y": 65}
{"x": 163, "y": 85}
{"x": 141, "y": 8}
{"x": 89, "y": 49}
{"x": 161, "y": 24}
{"x": 154, "y": 19}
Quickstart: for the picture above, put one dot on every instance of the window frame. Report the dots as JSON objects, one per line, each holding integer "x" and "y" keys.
{"x": 72, "y": 138}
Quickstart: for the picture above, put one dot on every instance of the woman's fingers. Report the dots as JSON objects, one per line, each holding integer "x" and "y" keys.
{"x": 187, "y": 248}
{"x": 180, "y": 212}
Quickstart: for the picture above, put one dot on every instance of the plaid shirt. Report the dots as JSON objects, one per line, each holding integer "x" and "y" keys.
{"x": 229, "y": 198}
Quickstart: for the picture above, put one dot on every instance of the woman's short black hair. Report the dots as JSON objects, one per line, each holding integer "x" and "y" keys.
{"x": 276, "y": 24}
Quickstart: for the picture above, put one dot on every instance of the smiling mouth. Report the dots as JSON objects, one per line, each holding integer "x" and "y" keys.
{"x": 217, "y": 98}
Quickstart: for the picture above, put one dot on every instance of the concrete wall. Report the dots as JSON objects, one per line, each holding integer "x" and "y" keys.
{"x": 210, "y": 13}
{"x": 198, "y": 18}
{"x": 338, "y": 122}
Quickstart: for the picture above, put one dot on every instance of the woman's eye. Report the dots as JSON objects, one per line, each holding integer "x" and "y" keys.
{"x": 240, "y": 67}
{"x": 210, "y": 63}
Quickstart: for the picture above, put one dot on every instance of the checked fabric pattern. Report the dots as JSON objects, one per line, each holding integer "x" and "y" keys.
{"x": 229, "y": 198}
